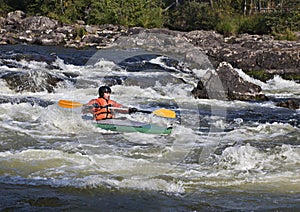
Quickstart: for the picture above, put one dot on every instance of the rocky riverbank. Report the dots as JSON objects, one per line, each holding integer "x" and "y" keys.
{"x": 259, "y": 56}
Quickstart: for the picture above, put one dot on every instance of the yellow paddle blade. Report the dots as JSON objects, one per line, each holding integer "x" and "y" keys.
{"x": 165, "y": 113}
{"x": 69, "y": 104}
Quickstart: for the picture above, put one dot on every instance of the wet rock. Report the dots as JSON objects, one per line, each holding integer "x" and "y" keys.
{"x": 291, "y": 104}
{"x": 114, "y": 80}
{"x": 152, "y": 81}
{"x": 32, "y": 81}
{"x": 48, "y": 59}
{"x": 226, "y": 84}
{"x": 28, "y": 99}
{"x": 142, "y": 81}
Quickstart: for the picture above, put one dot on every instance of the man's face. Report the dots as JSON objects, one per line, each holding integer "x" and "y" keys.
{"x": 106, "y": 95}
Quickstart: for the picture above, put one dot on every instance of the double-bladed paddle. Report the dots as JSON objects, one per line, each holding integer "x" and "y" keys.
{"x": 159, "y": 112}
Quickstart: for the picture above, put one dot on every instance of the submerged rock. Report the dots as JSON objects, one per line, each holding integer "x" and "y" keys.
{"x": 32, "y": 81}
{"x": 28, "y": 99}
{"x": 291, "y": 104}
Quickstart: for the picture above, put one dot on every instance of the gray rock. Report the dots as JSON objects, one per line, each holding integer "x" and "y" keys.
{"x": 15, "y": 17}
{"x": 39, "y": 23}
{"x": 226, "y": 84}
{"x": 249, "y": 52}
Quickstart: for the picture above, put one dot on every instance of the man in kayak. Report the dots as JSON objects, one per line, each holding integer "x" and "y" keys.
{"x": 103, "y": 107}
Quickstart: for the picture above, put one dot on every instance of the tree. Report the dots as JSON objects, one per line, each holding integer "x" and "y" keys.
{"x": 4, "y": 8}
{"x": 126, "y": 12}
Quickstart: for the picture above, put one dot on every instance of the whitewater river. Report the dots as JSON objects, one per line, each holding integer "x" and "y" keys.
{"x": 52, "y": 160}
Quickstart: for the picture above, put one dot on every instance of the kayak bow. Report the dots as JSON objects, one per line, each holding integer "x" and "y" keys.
{"x": 126, "y": 125}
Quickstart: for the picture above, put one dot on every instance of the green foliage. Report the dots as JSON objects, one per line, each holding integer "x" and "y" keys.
{"x": 225, "y": 16}
{"x": 102, "y": 12}
{"x": 142, "y": 13}
{"x": 192, "y": 16}
{"x": 262, "y": 75}
{"x": 287, "y": 35}
{"x": 282, "y": 22}
{"x": 79, "y": 32}
{"x": 227, "y": 26}
{"x": 4, "y": 8}
{"x": 255, "y": 24}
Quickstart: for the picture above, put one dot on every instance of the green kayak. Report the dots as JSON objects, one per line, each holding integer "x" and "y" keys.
{"x": 126, "y": 125}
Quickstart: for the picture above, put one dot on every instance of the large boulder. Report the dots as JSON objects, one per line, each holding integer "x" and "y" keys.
{"x": 40, "y": 24}
{"x": 226, "y": 84}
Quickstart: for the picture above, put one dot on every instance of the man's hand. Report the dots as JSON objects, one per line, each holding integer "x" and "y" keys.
{"x": 132, "y": 110}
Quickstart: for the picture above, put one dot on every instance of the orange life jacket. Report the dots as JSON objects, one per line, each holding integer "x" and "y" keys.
{"x": 101, "y": 108}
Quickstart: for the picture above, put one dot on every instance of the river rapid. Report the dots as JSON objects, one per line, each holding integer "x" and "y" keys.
{"x": 221, "y": 155}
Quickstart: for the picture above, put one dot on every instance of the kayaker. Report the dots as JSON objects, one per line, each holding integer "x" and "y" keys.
{"x": 101, "y": 107}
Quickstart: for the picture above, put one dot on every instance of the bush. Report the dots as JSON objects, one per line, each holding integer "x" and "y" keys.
{"x": 192, "y": 16}
{"x": 227, "y": 27}
{"x": 254, "y": 25}
{"x": 283, "y": 23}
{"x": 287, "y": 35}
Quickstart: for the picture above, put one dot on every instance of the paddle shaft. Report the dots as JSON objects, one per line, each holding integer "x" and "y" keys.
{"x": 138, "y": 110}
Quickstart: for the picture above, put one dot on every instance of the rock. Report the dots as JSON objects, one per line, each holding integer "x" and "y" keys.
{"x": 92, "y": 39}
{"x": 40, "y": 24}
{"x": 26, "y": 99}
{"x": 15, "y": 17}
{"x": 246, "y": 52}
{"x": 50, "y": 40}
{"x": 205, "y": 39}
{"x": 249, "y": 52}
{"x": 13, "y": 21}
{"x": 91, "y": 29}
{"x": 2, "y": 22}
{"x": 291, "y": 104}
{"x": 32, "y": 81}
{"x": 226, "y": 84}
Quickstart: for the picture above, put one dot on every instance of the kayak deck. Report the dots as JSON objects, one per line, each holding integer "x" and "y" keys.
{"x": 126, "y": 125}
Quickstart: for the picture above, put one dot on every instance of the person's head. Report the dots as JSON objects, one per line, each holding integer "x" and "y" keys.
{"x": 104, "y": 92}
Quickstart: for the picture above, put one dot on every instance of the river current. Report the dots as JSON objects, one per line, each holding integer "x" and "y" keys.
{"x": 221, "y": 155}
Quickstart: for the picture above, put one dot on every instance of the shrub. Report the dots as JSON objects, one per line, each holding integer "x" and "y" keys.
{"x": 255, "y": 24}
{"x": 227, "y": 26}
{"x": 287, "y": 35}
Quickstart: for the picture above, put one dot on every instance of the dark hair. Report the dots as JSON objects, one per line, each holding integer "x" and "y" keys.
{"x": 104, "y": 89}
